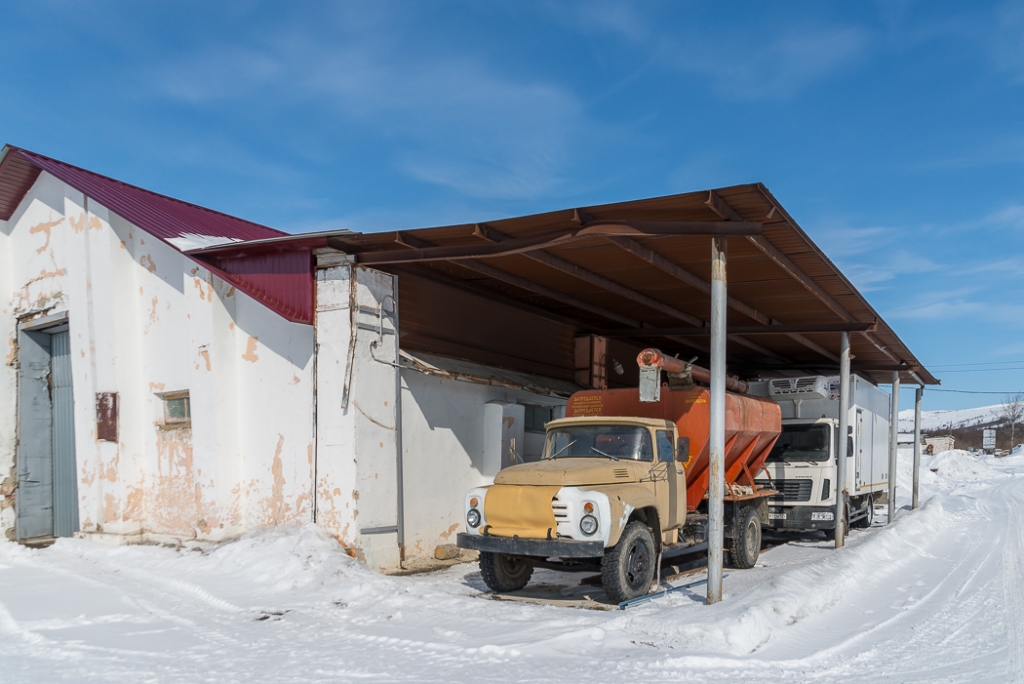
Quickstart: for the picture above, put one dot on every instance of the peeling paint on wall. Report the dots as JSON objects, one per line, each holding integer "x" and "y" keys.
{"x": 45, "y": 227}
{"x": 250, "y": 354}
{"x": 147, "y": 262}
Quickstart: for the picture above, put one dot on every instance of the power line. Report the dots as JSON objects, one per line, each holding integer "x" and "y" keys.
{"x": 958, "y": 365}
{"x": 970, "y": 391}
{"x": 982, "y": 370}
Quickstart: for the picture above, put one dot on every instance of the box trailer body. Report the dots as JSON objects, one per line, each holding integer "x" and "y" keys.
{"x": 802, "y": 465}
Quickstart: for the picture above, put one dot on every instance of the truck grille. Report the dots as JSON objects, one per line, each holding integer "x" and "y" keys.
{"x": 560, "y": 510}
{"x": 789, "y": 490}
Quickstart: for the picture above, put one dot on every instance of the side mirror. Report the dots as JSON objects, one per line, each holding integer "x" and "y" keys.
{"x": 683, "y": 449}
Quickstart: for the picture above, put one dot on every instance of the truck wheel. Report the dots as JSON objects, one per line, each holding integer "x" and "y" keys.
{"x": 869, "y": 517}
{"x": 503, "y": 572}
{"x": 745, "y": 546}
{"x": 627, "y": 570}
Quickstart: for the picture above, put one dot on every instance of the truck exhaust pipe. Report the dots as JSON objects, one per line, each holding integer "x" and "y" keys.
{"x": 652, "y": 362}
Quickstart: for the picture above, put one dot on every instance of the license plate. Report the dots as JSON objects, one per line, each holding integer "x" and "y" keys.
{"x": 829, "y": 515}
{"x": 776, "y": 516}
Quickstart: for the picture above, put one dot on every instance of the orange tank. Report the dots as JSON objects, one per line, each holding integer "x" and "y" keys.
{"x": 752, "y": 425}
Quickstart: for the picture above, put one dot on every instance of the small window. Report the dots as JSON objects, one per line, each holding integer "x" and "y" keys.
{"x": 177, "y": 409}
{"x": 537, "y": 417}
{"x": 665, "y": 451}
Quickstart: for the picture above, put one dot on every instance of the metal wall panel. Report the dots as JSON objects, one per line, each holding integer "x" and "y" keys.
{"x": 34, "y": 502}
{"x": 65, "y": 479}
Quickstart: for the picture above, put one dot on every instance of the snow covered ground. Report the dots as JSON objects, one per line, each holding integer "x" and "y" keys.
{"x": 936, "y": 597}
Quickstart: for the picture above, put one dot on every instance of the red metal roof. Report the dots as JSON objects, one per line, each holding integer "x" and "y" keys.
{"x": 282, "y": 280}
{"x": 161, "y": 216}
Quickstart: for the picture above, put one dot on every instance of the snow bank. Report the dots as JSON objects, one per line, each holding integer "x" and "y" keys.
{"x": 806, "y": 591}
{"x": 957, "y": 465}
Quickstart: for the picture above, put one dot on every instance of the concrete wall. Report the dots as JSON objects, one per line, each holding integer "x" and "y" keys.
{"x": 451, "y": 444}
{"x": 145, "y": 319}
{"x": 356, "y": 455}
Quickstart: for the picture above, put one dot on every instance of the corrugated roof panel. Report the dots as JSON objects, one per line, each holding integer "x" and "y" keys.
{"x": 164, "y": 217}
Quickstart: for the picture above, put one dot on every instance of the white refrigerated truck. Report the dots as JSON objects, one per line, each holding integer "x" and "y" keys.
{"x": 802, "y": 465}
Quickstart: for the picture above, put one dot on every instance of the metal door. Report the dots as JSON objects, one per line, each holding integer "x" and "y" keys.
{"x": 47, "y": 500}
{"x": 65, "y": 485}
{"x": 860, "y": 448}
{"x": 34, "y": 502}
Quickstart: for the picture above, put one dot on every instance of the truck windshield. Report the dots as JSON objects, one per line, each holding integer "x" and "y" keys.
{"x": 801, "y": 443}
{"x": 596, "y": 441}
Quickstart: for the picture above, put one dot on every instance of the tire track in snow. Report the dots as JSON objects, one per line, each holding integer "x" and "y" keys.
{"x": 1013, "y": 555}
{"x": 168, "y": 599}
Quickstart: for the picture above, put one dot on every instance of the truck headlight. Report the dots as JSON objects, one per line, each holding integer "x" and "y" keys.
{"x": 588, "y": 525}
{"x": 473, "y": 517}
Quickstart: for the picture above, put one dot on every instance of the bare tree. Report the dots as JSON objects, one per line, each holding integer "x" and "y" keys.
{"x": 1012, "y": 411}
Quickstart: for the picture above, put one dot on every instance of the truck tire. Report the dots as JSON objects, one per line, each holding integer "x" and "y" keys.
{"x": 745, "y": 546}
{"x": 627, "y": 570}
{"x": 869, "y": 517}
{"x": 502, "y": 572}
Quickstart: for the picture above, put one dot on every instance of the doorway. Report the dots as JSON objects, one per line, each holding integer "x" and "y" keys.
{"x": 47, "y": 499}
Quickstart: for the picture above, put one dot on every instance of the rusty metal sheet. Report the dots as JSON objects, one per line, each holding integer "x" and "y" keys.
{"x": 106, "y": 416}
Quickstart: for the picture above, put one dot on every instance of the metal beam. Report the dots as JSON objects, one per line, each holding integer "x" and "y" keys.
{"x": 493, "y": 235}
{"x": 663, "y": 264}
{"x": 415, "y": 242}
{"x": 720, "y": 207}
{"x": 716, "y": 438}
{"x": 555, "y": 238}
{"x": 745, "y": 330}
{"x": 842, "y": 465}
{"x": 894, "y": 428}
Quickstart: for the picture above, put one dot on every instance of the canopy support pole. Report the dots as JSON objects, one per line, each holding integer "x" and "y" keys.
{"x": 842, "y": 464}
{"x": 894, "y": 428}
{"x": 716, "y": 491}
{"x": 918, "y": 394}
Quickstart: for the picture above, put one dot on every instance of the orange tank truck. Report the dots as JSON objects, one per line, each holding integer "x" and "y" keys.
{"x": 752, "y": 425}
{"x": 621, "y": 485}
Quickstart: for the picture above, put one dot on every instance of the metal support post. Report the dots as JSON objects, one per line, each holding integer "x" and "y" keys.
{"x": 894, "y": 428}
{"x": 842, "y": 464}
{"x": 716, "y": 490}
{"x": 917, "y": 439}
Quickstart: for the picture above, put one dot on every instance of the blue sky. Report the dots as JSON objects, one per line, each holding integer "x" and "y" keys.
{"x": 892, "y": 131}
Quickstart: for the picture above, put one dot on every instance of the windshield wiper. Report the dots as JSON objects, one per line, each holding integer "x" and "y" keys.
{"x": 555, "y": 455}
{"x": 614, "y": 458}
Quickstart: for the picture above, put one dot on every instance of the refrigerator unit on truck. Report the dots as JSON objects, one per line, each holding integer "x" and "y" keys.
{"x": 802, "y": 464}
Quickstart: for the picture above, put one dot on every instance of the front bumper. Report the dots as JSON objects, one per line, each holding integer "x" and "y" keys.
{"x": 541, "y": 548}
{"x": 801, "y": 517}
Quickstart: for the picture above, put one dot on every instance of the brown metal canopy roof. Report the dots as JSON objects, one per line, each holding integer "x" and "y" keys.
{"x": 639, "y": 272}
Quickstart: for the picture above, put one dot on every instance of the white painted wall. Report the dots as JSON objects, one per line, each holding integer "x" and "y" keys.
{"x": 451, "y": 444}
{"x": 146, "y": 319}
{"x": 356, "y": 461}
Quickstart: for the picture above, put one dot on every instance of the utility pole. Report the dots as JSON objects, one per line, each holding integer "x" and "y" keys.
{"x": 918, "y": 393}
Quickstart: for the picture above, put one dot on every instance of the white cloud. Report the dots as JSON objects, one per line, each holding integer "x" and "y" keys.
{"x": 460, "y": 122}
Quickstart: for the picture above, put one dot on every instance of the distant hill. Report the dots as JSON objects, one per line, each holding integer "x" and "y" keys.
{"x": 964, "y": 424}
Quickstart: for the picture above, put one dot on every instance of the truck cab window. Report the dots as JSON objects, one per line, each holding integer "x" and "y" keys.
{"x": 665, "y": 451}
{"x": 597, "y": 441}
{"x": 802, "y": 443}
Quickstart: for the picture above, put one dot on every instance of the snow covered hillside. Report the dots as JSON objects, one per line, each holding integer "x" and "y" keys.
{"x": 938, "y": 596}
{"x": 936, "y": 421}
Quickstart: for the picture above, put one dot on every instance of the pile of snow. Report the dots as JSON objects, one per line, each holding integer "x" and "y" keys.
{"x": 957, "y": 465}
